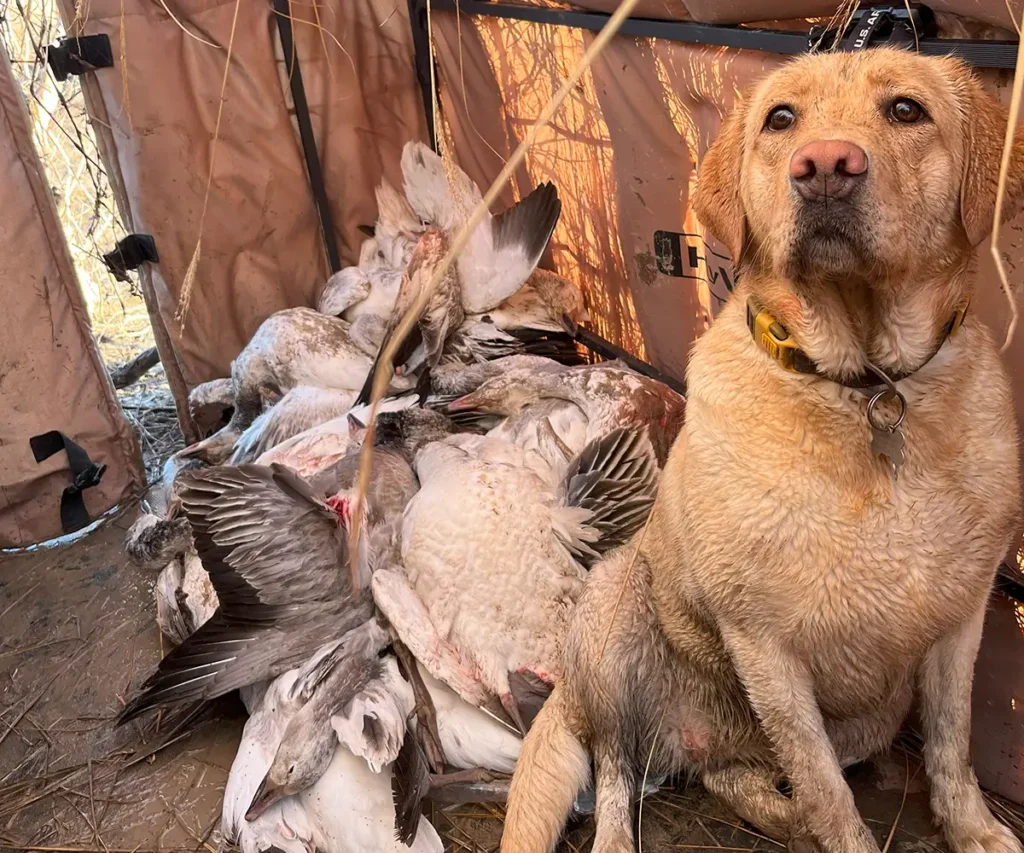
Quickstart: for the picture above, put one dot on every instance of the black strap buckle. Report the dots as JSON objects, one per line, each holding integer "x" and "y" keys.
{"x": 79, "y": 55}
{"x": 85, "y": 474}
{"x": 899, "y": 26}
{"x": 130, "y": 254}
{"x": 88, "y": 478}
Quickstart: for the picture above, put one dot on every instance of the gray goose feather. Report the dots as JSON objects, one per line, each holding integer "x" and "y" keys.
{"x": 276, "y": 555}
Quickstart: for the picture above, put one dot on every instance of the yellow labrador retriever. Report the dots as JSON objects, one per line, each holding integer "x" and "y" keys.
{"x": 830, "y": 520}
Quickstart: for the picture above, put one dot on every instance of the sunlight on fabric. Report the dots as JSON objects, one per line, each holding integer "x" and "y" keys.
{"x": 528, "y": 62}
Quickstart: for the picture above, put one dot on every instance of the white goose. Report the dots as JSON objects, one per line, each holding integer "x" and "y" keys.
{"x": 297, "y": 346}
{"x": 503, "y": 250}
{"x": 494, "y": 548}
{"x": 321, "y": 446}
{"x": 581, "y": 403}
{"x": 301, "y": 409}
{"x": 350, "y": 807}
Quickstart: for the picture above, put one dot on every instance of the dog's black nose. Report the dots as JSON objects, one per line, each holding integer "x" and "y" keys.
{"x": 829, "y": 168}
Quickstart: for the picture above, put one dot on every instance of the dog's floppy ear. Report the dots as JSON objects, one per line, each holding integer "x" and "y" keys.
{"x": 717, "y": 200}
{"x": 985, "y": 128}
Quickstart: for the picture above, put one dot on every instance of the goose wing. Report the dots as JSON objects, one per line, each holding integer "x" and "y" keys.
{"x": 275, "y": 555}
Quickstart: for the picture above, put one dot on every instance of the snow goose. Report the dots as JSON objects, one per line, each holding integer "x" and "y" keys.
{"x": 284, "y": 825}
{"x": 349, "y": 806}
{"x": 298, "y": 410}
{"x": 328, "y": 683}
{"x": 587, "y": 401}
{"x": 441, "y": 315}
{"x": 349, "y": 809}
{"x": 547, "y": 301}
{"x": 493, "y": 550}
{"x": 298, "y": 346}
{"x": 321, "y": 446}
{"x": 153, "y": 541}
{"x": 185, "y": 597}
{"x": 397, "y": 229}
{"x": 208, "y": 402}
{"x": 355, "y": 292}
{"x": 503, "y": 250}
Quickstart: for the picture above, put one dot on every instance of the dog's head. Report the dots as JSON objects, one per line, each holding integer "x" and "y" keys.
{"x": 867, "y": 166}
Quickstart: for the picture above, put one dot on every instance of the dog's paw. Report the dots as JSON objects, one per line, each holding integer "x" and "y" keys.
{"x": 992, "y": 837}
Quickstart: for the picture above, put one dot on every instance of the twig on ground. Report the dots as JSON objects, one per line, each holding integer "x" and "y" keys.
{"x": 128, "y": 373}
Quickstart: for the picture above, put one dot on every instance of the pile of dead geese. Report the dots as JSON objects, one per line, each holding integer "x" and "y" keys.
{"x": 382, "y": 668}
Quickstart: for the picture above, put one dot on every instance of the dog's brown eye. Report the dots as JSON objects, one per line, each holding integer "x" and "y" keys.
{"x": 906, "y": 111}
{"x": 780, "y": 118}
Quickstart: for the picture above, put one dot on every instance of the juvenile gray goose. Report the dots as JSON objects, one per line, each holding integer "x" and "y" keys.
{"x": 349, "y": 809}
{"x": 276, "y": 549}
{"x": 328, "y": 684}
{"x": 581, "y": 403}
{"x": 276, "y": 554}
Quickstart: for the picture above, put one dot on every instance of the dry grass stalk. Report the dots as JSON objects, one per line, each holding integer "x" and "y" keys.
{"x": 643, "y": 783}
{"x": 1004, "y": 170}
{"x": 903, "y": 802}
{"x": 1012, "y": 17}
{"x": 386, "y": 366}
{"x": 193, "y": 267}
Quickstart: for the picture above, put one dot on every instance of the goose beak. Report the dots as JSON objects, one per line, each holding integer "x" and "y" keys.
{"x": 266, "y": 796}
{"x": 463, "y": 404}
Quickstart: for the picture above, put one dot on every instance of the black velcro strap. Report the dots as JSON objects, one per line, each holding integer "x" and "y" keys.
{"x": 130, "y": 254}
{"x": 80, "y": 55}
{"x": 84, "y": 475}
{"x": 902, "y": 25}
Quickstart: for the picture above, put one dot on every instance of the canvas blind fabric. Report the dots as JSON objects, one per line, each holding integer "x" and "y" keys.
{"x": 261, "y": 249}
{"x": 51, "y": 376}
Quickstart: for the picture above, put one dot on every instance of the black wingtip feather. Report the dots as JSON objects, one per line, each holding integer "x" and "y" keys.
{"x": 402, "y": 354}
{"x": 558, "y": 346}
{"x": 410, "y": 784}
{"x": 530, "y": 223}
{"x": 366, "y": 392}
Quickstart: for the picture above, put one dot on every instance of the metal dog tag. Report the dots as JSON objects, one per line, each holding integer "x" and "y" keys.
{"x": 887, "y": 439}
{"x": 888, "y": 443}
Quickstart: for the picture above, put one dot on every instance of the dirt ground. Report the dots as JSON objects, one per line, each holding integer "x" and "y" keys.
{"x": 77, "y": 631}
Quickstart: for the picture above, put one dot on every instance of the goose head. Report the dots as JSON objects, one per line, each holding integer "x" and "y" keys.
{"x": 409, "y": 430}
{"x": 302, "y": 758}
{"x": 506, "y": 394}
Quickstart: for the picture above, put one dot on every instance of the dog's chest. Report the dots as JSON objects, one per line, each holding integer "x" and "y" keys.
{"x": 806, "y": 532}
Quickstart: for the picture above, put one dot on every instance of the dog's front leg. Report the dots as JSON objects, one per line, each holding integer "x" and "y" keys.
{"x": 781, "y": 691}
{"x": 615, "y": 782}
{"x": 946, "y": 678}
